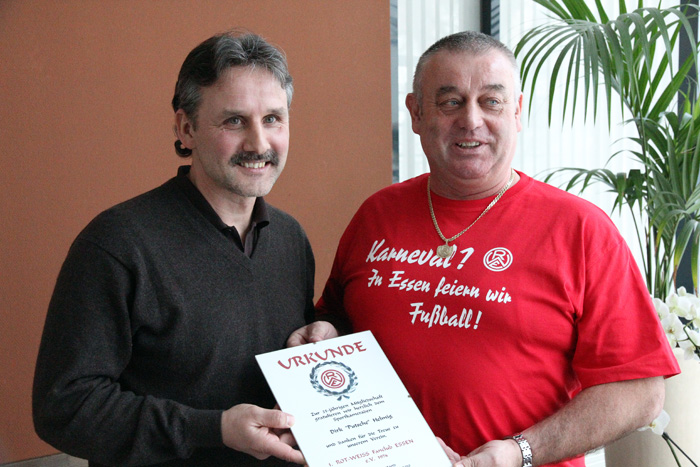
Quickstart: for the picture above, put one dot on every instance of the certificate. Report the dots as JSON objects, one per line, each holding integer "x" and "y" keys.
{"x": 349, "y": 405}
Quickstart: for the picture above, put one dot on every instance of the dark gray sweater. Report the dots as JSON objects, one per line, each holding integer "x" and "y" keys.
{"x": 152, "y": 330}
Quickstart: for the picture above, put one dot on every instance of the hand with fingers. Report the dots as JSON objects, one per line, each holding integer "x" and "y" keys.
{"x": 504, "y": 453}
{"x": 260, "y": 432}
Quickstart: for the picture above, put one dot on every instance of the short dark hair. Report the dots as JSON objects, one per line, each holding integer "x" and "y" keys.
{"x": 471, "y": 42}
{"x": 210, "y": 59}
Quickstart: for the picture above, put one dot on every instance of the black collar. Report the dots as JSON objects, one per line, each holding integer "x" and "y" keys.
{"x": 258, "y": 220}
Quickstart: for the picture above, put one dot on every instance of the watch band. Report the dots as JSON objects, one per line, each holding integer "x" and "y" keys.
{"x": 525, "y": 449}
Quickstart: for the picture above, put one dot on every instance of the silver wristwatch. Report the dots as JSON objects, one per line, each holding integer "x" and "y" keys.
{"x": 525, "y": 449}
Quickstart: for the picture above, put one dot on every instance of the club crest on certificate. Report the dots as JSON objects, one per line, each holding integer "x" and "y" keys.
{"x": 333, "y": 379}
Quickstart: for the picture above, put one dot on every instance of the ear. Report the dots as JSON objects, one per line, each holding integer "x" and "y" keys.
{"x": 184, "y": 129}
{"x": 519, "y": 112}
{"x": 414, "y": 109}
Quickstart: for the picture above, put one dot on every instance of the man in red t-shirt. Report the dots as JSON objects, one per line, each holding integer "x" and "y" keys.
{"x": 513, "y": 311}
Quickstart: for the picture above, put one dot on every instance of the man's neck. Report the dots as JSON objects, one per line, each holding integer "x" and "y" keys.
{"x": 460, "y": 189}
{"x": 233, "y": 210}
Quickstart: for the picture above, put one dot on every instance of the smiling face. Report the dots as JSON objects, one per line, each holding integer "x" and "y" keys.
{"x": 240, "y": 138}
{"x": 468, "y": 120}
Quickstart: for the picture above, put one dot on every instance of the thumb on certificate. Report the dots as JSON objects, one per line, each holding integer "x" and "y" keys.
{"x": 453, "y": 456}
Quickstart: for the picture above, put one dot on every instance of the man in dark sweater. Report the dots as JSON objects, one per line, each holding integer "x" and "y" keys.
{"x": 147, "y": 356}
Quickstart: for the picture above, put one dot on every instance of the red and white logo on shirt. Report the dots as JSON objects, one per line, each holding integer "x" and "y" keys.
{"x": 498, "y": 259}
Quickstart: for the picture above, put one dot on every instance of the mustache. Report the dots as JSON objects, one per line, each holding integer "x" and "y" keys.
{"x": 247, "y": 156}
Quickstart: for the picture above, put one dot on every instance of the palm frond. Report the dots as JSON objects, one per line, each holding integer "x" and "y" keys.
{"x": 630, "y": 56}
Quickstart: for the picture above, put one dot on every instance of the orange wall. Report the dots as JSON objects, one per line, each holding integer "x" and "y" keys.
{"x": 85, "y": 122}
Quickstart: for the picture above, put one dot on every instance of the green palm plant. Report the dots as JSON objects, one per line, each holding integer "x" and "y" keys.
{"x": 631, "y": 58}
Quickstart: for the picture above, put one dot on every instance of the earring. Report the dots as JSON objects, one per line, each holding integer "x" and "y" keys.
{"x": 182, "y": 151}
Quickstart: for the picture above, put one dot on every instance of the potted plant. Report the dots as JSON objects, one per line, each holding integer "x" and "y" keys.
{"x": 631, "y": 58}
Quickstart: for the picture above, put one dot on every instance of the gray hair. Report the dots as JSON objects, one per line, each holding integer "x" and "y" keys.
{"x": 471, "y": 42}
{"x": 210, "y": 59}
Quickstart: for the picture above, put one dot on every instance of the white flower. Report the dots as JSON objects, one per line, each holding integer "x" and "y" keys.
{"x": 688, "y": 350}
{"x": 661, "y": 308}
{"x": 659, "y": 424}
{"x": 693, "y": 313}
{"x": 695, "y": 320}
{"x": 681, "y": 305}
{"x": 690, "y": 345}
{"x": 694, "y": 299}
{"x": 673, "y": 327}
{"x": 680, "y": 319}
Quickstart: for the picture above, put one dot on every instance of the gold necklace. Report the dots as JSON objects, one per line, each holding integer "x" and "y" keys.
{"x": 446, "y": 251}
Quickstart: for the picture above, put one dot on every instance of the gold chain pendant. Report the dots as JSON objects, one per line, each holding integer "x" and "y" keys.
{"x": 446, "y": 251}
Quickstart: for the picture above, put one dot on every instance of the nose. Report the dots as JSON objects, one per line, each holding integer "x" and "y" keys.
{"x": 256, "y": 139}
{"x": 471, "y": 116}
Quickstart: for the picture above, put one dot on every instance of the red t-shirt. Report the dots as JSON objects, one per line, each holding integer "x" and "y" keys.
{"x": 541, "y": 299}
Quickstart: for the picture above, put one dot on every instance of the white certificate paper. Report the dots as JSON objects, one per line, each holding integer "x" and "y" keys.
{"x": 350, "y": 406}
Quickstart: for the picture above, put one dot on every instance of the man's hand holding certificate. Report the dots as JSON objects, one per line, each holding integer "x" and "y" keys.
{"x": 349, "y": 405}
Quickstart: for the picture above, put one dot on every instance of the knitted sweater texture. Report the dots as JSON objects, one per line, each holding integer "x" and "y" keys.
{"x": 153, "y": 327}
